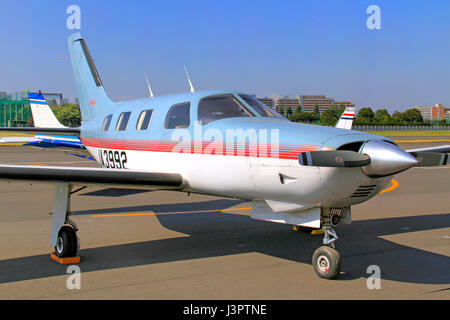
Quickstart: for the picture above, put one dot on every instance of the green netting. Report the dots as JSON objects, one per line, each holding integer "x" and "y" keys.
{"x": 15, "y": 113}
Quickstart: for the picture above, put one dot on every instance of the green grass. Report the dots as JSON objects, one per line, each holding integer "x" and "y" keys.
{"x": 15, "y": 134}
{"x": 411, "y": 133}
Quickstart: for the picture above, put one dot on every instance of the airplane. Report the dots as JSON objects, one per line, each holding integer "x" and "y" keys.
{"x": 223, "y": 143}
{"x": 43, "y": 117}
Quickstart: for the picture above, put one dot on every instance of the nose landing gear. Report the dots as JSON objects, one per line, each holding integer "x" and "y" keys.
{"x": 326, "y": 261}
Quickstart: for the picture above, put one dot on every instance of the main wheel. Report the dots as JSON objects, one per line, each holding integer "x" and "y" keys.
{"x": 326, "y": 262}
{"x": 67, "y": 243}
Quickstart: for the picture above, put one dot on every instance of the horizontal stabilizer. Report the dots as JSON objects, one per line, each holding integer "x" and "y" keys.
{"x": 60, "y": 131}
{"x": 333, "y": 158}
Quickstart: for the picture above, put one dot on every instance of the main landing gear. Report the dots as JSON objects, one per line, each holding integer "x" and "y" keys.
{"x": 63, "y": 235}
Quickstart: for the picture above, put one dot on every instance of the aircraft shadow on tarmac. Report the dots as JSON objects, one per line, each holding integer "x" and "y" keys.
{"x": 214, "y": 234}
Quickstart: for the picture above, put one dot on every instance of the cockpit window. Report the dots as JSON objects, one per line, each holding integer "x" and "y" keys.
{"x": 220, "y": 107}
{"x": 260, "y": 108}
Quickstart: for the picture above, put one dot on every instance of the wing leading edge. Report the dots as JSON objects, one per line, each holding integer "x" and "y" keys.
{"x": 92, "y": 176}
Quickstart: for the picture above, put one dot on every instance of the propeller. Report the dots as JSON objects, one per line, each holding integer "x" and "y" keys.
{"x": 376, "y": 158}
{"x": 333, "y": 158}
{"x": 430, "y": 159}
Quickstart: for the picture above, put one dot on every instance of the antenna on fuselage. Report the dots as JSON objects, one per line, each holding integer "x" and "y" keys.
{"x": 189, "y": 80}
{"x": 148, "y": 86}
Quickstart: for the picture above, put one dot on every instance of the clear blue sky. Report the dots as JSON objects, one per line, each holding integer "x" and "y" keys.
{"x": 261, "y": 47}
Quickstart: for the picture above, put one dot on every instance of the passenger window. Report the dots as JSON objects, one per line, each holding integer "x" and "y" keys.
{"x": 144, "y": 120}
{"x": 107, "y": 123}
{"x": 220, "y": 107}
{"x": 178, "y": 116}
{"x": 123, "y": 121}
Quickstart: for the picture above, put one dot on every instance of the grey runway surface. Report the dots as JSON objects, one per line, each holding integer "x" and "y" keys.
{"x": 167, "y": 245}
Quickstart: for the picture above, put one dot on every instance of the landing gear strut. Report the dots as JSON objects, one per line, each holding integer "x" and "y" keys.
{"x": 326, "y": 260}
{"x": 63, "y": 236}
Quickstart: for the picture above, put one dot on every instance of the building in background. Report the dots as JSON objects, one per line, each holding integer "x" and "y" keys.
{"x": 306, "y": 102}
{"x": 433, "y": 113}
{"x": 267, "y": 101}
{"x": 287, "y": 103}
{"x": 309, "y": 102}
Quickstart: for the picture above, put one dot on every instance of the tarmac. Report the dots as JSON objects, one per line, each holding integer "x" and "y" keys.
{"x": 139, "y": 244}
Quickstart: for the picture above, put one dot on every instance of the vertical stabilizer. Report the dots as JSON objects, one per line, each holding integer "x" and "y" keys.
{"x": 91, "y": 94}
{"x": 346, "y": 119}
{"x": 43, "y": 116}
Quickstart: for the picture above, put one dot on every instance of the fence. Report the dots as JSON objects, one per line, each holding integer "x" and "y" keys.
{"x": 401, "y": 128}
{"x": 15, "y": 111}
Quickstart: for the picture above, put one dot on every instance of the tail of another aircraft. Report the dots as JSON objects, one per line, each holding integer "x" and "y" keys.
{"x": 91, "y": 94}
{"x": 346, "y": 119}
{"x": 43, "y": 116}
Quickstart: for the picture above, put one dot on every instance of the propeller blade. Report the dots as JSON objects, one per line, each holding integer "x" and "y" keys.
{"x": 431, "y": 159}
{"x": 333, "y": 158}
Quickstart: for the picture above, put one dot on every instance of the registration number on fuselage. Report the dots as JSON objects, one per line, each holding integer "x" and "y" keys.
{"x": 112, "y": 159}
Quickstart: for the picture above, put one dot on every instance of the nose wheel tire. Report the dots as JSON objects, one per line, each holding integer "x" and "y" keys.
{"x": 67, "y": 243}
{"x": 326, "y": 262}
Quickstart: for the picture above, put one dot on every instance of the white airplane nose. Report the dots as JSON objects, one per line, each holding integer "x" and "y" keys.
{"x": 386, "y": 159}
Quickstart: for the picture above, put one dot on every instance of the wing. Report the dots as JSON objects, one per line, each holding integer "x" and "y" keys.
{"x": 93, "y": 176}
{"x": 438, "y": 149}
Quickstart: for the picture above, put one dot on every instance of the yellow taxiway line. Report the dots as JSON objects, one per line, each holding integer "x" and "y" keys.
{"x": 393, "y": 186}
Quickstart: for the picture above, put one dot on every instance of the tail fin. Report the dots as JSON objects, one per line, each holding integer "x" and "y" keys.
{"x": 346, "y": 119}
{"x": 91, "y": 95}
{"x": 43, "y": 116}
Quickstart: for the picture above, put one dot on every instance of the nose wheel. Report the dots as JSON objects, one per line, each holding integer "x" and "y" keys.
{"x": 326, "y": 260}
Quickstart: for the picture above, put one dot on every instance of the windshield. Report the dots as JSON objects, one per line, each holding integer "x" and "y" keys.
{"x": 260, "y": 108}
{"x": 220, "y": 107}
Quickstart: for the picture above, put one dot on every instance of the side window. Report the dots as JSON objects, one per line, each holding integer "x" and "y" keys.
{"x": 123, "y": 121}
{"x": 107, "y": 123}
{"x": 144, "y": 120}
{"x": 178, "y": 116}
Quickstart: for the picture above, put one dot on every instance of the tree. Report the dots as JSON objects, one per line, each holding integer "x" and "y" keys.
{"x": 366, "y": 113}
{"x": 413, "y": 115}
{"x": 365, "y": 116}
{"x": 306, "y": 117}
{"x": 281, "y": 110}
{"x": 288, "y": 112}
{"x": 68, "y": 114}
{"x": 331, "y": 115}
{"x": 382, "y": 116}
{"x": 316, "y": 109}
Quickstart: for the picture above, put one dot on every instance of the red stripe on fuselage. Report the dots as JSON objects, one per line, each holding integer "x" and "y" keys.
{"x": 283, "y": 151}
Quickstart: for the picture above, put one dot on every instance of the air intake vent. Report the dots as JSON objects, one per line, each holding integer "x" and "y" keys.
{"x": 363, "y": 191}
